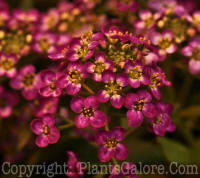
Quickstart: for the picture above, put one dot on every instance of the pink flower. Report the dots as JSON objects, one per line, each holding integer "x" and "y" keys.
{"x": 46, "y": 131}
{"x": 28, "y": 81}
{"x": 88, "y": 113}
{"x": 110, "y": 146}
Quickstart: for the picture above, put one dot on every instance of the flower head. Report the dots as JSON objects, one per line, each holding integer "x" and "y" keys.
{"x": 28, "y": 81}
{"x": 46, "y": 131}
{"x": 192, "y": 51}
{"x": 72, "y": 80}
{"x": 88, "y": 113}
{"x": 110, "y": 146}
{"x": 137, "y": 105}
{"x": 113, "y": 89}
{"x": 49, "y": 87}
{"x": 7, "y": 65}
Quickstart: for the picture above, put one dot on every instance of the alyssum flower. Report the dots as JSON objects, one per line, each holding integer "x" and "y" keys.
{"x": 88, "y": 113}
{"x": 45, "y": 129}
{"x": 110, "y": 146}
{"x": 137, "y": 105}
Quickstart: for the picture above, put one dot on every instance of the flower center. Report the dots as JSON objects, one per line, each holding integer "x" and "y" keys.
{"x": 113, "y": 88}
{"x": 46, "y": 130}
{"x": 88, "y": 112}
{"x": 7, "y": 63}
{"x": 99, "y": 67}
{"x": 75, "y": 76}
{"x": 149, "y": 21}
{"x": 15, "y": 42}
{"x": 164, "y": 43}
{"x": 53, "y": 86}
{"x": 155, "y": 80}
{"x": 44, "y": 44}
{"x": 111, "y": 143}
{"x": 135, "y": 72}
{"x": 139, "y": 105}
{"x": 196, "y": 53}
{"x": 28, "y": 79}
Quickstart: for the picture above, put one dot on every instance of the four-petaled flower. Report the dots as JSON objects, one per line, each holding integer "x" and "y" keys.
{"x": 88, "y": 113}
{"x": 45, "y": 129}
{"x": 137, "y": 105}
{"x": 110, "y": 146}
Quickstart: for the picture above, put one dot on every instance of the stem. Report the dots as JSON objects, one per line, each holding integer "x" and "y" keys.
{"x": 62, "y": 127}
{"x": 130, "y": 131}
{"x": 88, "y": 89}
{"x": 114, "y": 161}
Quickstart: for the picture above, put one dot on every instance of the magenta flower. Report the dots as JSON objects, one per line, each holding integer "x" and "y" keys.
{"x": 137, "y": 105}
{"x": 127, "y": 170}
{"x": 72, "y": 80}
{"x": 192, "y": 51}
{"x": 28, "y": 81}
{"x": 45, "y": 106}
{"x": 49, "y": 87}
{"x": 147, "y": 19}
{"x": 113, "y": 89}
{"x": 75, "y": 169}
{"x": 45, "y": 43}
{"x": 88, "y": 113}
{"x": 195, "y": 20}
{"x": 164, "y": 41}
{"x": 162, "y": 123}
{"x": 157, "y": 80}
{"x": 49, "y": 20}
{"x": 7, "y": 65}
{"x": 110, "y": 146}
{"x": 8, "y": 100}
{"x": 136, "y": 74}
{"x": 46, "y": 131}
{"x": 4, "y": 16}
{"x": 99, "y": 66}
{"x": 80, "y": 48}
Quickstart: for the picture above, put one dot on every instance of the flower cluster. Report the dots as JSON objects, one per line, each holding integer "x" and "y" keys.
{"x": 78, "y": 65}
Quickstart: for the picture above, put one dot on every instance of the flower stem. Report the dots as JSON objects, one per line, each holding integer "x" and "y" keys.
{"x": 62, "y": 127}
{"x": 114, "y": 161}
{"x": 88, "y": 89}
{"x": 130, "y": 131}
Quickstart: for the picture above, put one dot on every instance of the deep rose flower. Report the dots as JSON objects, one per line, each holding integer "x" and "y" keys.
{"x": 164, "y": 41}
{"x": 4, "y": 16}
{"x": 80, "y": 48}
{"x": 71, "y": 81}
{"x": 113, "y": 89}
{"x": 157, "y": 80}
{"x": 99, "y": 66}
{"x": 45, "y": 106}
{"x": 8, "y": 100}
{"x": 7, "y": 65}
{"x": 46, "y": 131}
{"x": 147, "y": 19}
{"x": 49, "y": 87}
{"x": 137, "y": 105}
{"x": 192, "y": 51}
{"x": 45, "y": 43}
{"x": 110, "y": 146}
{"x": 87, "y": 108}
{"x": 74, "y": 166}
{"x": 28, "y": 81}
{"x": 162, "y": 123}
{"x": 127, "y": 170}
{"x": 136, "y": 74}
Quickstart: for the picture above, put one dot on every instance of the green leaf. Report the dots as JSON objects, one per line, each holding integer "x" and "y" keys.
{"x": 175, "y": 151}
